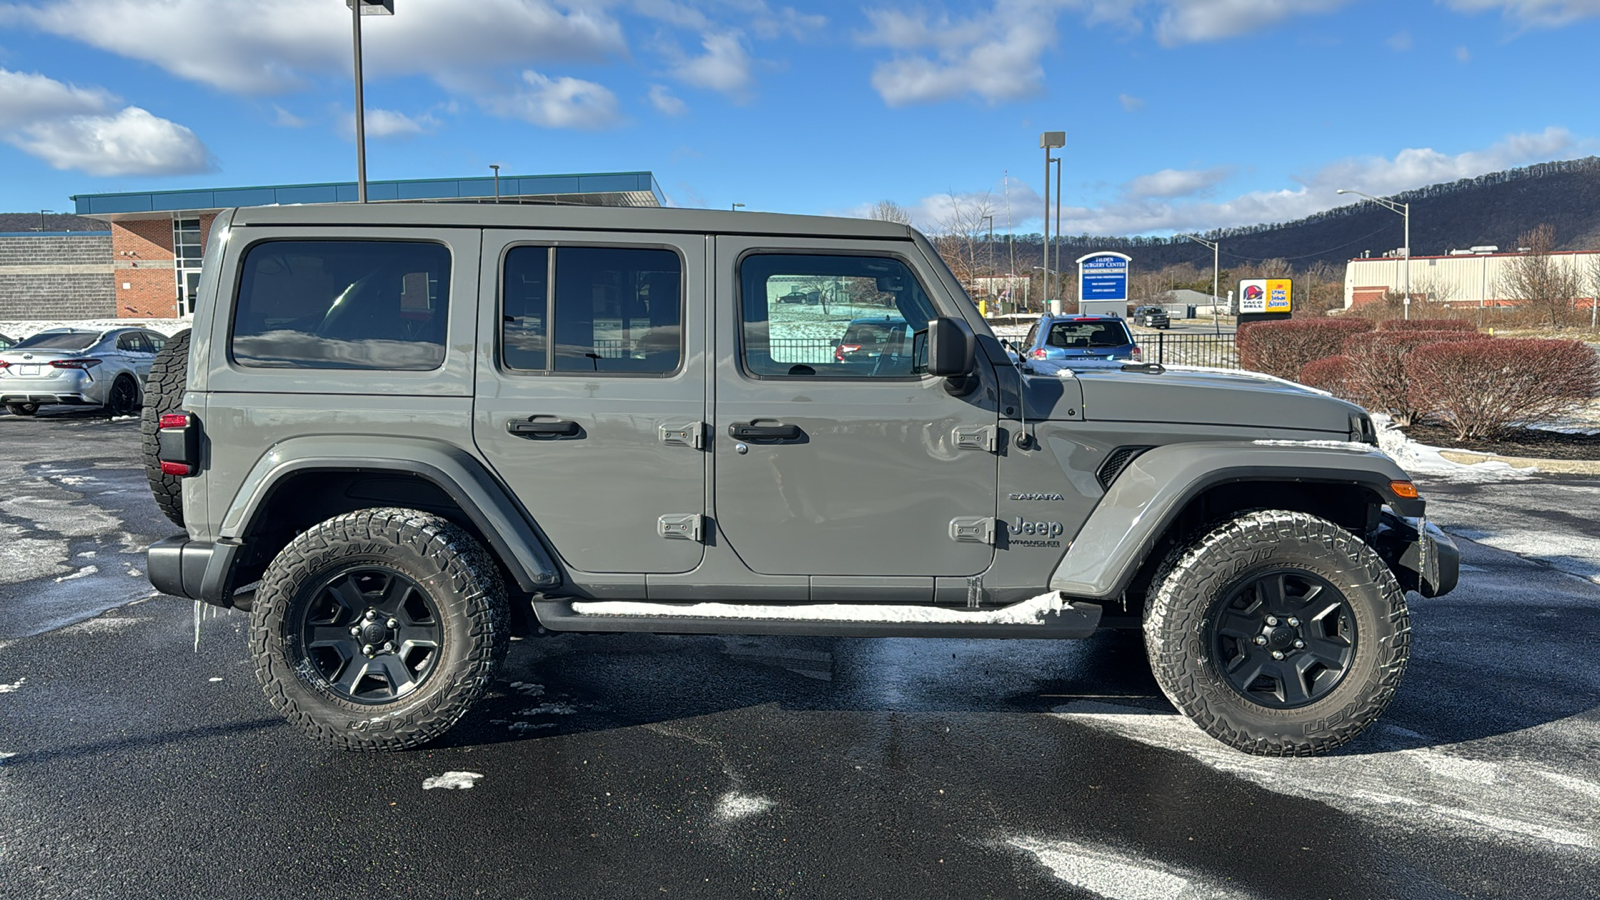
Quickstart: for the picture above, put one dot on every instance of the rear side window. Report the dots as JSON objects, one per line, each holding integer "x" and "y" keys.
{"x": 1089, "y": 334}
{"x": 342, "y": 305}
{"x": 613, "y": 309}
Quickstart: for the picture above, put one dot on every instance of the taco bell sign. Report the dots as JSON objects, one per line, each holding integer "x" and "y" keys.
{"x": 1103, "y": 276}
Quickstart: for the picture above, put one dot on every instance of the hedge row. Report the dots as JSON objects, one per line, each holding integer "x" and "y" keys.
{"x": 1376, "y": 374}
{"x": 1482, "y": 388}
{"x": 1284, "y": 348}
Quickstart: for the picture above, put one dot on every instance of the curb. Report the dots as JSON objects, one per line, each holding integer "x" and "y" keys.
{"x": 1557, "y": 466}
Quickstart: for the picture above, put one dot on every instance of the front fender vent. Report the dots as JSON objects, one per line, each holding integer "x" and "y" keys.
{"x": 1115, "y": 462}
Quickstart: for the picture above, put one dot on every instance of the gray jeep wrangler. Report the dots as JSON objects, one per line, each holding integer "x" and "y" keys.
{"x": 398, "y": 434}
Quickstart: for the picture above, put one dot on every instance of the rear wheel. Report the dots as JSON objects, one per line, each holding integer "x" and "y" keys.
{"x": 22, "y": 409}
{"x": 1279, "y": 633}
{"x": 378, "y": 629}
{"x": 124, "y": 396}
{"x": 163, "y": 393}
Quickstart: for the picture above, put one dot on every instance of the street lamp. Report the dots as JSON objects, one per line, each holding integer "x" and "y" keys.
{"x": 1216, "y": 270}
{"x": 1403, "y": 209}
{"x": 736, "y": 206}
{"x": 359, "y": 8}
{"x": 1049, "y": 140}
{"x": 496, "y": 181}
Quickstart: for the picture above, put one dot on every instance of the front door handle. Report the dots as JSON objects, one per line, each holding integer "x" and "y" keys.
{"x": 543, "y": 428}
{"x": 756, "y": 431}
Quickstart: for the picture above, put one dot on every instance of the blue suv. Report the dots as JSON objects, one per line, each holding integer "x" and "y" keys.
{"x": 1079, "y": 337}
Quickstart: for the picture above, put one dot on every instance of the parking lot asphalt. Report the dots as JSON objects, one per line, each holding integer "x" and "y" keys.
{"x": 139, "y": 760}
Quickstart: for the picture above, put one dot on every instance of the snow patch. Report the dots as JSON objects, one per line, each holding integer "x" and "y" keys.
{"x": 549, "y": 709}
{"x": 81, "y": 573}
{"x": 103, "y": 625}
{"x": 732, "y": 807}
{"x": 453, "y": 781}
{"x": 214, "y": 678}
{"x": 528, "y": 689}
{"x": 8, "y": 688}
{"x": 1029, "y": 612}
{"x": 1421, "y": 459}
{"x": 521, "y": 727}
{"x": 1412, "y": 787}
{"x": 1326, "y": 445}
{"x": 1117, "y": 876}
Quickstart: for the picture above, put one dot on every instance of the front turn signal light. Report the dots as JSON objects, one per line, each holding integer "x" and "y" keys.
{"x": 1404, "y": 489}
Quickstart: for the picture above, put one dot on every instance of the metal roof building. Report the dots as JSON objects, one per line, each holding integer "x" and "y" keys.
{"x": 1474, "y": 277}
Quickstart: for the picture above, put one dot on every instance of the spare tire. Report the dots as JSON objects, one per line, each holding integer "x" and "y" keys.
{"x": 163, "y": 393}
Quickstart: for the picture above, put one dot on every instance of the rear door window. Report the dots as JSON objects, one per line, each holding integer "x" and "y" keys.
{"x": 337, "y": 304}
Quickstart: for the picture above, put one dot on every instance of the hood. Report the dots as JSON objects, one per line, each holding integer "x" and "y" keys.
{"x": 1208, "y": 397}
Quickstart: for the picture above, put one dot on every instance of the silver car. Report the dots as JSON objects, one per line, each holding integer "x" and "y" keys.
{"x": 79, "y": 366}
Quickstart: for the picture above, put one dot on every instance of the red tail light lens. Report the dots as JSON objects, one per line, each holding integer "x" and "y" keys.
{"x": 174, "y": 468}
{"x": 1039, "y": 353}
{"x": 174, "y": 420}
{"x": 1137, "y": 353}
{"x": 84, "y": 364}
{"x": 4, "y": 365}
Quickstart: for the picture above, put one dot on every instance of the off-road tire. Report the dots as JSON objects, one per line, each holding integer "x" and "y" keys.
{"x": 22, "y": 409}
{"x": 163, "y": 393}
{"x": 451, "y": 569}
{"x": 1187, "y": 598}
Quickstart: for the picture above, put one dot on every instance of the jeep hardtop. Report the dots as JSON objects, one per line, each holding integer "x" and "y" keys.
{"x": 398, "y": 433}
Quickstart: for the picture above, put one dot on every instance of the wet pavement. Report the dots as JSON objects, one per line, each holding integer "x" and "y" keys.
{"x": 135, "y": 765}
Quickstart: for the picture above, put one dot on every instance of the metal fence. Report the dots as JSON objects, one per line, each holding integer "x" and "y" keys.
{"x": 1214, "y": 350}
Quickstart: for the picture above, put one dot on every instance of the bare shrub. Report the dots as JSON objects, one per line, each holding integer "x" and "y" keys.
{"x": 1541, "y": 281}
{"x": 1376, "y": 375}
{"x": 1426, "y": 325}
{"x": 1284, "y": 348}
{"x": 1331, "y": 374}
{"x": 1485, "y": 387}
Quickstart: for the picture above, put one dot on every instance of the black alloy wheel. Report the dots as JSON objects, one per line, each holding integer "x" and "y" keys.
{"x": 124, "y": 396}
{"x": 371, "y": 635}
{"x": 1283, "y": 638}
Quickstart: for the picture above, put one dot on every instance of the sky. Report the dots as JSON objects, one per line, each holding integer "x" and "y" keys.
{"x": 1180, "y": 115}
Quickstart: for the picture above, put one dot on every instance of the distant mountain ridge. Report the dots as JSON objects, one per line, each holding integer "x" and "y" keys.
{"x": 1491, "y": 209}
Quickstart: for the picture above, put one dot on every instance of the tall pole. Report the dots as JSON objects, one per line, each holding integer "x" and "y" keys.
{"x": 1407, "y": 214}
{"x": 1059, "y": 286}
{"x": 1216, "y": 272}
{"x": 496, "y": 181}
{"x": 1046, "y": 224}
{"x": 361, "y": 130}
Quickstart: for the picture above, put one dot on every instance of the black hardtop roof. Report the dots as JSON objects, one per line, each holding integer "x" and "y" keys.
{"x": 489, "y": 215}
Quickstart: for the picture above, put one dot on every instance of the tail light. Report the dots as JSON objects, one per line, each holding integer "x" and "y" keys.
{"x": 1039, "y": 353}
{"x": 178, "y": 443}
{"x": 82, "y": 364}
{"x": 842, "y": 349}
{"x": 4, "y": 365}
{"x": 1137, "y": 353}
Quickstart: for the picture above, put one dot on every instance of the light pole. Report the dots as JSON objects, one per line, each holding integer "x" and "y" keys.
{"x": 496, "y": 181}
{"x": 1049, "y": 140}
{"x": 1403, "y": 209}
{"x": 1216, "y": 271}
{"x": 736, "y": 206}
{"x": 42, "y": 214}
{"x": 359, "y": 8}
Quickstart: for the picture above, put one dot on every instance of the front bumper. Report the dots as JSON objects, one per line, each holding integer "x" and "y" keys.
{"x": 1423, "y": 558}
{"x": 194, "y": 569}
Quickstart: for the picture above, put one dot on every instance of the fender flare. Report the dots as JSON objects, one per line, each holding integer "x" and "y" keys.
{"x": 1150, "y": 493}
{"x": 503, "y": 523}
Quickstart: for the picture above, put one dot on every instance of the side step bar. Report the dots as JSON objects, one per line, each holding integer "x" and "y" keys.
{"x": 1029, "y": 619}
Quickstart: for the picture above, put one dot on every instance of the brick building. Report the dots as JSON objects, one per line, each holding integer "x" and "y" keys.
{"x": 55, "y": 275}
{"x": 148, "y": 265}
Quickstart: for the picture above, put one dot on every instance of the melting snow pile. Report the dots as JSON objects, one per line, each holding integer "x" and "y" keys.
{"x": 1118, "y": 876}
{"x": 732, "y": 807}
{"x": 1421, "y": 459}
{"x": 8, "y": 688}
{"x": 453, "y": 781}
{"x": 1028, "y": 612}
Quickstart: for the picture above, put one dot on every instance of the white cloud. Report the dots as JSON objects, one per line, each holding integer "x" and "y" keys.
{"x": 382, "y": 123}
{"x": 274, "y": 45}
{"x": 1400, "y": 41}
{"x": 557, "y": 103}
{"x": 285, "y": 119}
{"x": 662, "y": 99}
{"x": 1175, "y": 182}
{"x": 724, "y": 67}
{"x": 1463, "y": 55}
{"x": 1130, "y": 102}
{"x": 1193, "y": 21}
{"x": 995, "y": 54}
{"x": 71, "y": 127}
{"x": 130, "y": 142}
{"x": 1541, "y": 13}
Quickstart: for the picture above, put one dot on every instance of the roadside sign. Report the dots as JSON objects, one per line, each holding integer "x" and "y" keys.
{"x": 1103, "y": 276}
{"x": 1266, "y": 295}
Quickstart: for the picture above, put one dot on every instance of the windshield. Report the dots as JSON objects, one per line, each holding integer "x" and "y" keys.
{"x": 59, "y": 340}
{"x": 1089, "y": 334}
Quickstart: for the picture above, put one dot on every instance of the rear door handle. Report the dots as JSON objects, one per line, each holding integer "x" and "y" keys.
{"x": 543, "y": 427}
{"x": 754, "y": 431}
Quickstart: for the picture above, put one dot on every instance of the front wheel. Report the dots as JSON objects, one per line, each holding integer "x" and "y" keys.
{"x": 124, "y": 396}
{"x": 1279, "y": 633}
{"x": 378, "y": 629}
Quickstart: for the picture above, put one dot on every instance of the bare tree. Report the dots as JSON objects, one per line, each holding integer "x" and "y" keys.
{"x": 1539, "y": 280}
{"x": 890, "y": 211}
{"x": 960, "y": 238}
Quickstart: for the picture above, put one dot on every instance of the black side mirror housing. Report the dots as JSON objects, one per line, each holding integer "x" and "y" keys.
{"x": 952, "y": 348}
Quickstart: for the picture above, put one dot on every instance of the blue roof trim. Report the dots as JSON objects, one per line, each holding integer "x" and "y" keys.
{"x": 345, "y": 192}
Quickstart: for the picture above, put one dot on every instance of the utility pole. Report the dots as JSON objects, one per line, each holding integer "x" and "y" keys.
{"x": 1049, "y": 140}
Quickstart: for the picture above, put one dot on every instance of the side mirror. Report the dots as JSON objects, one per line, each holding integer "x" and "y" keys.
{"x": 951, "y": 348}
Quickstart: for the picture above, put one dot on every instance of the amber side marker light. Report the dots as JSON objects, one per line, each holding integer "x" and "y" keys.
{"x": 1404, "y": 489}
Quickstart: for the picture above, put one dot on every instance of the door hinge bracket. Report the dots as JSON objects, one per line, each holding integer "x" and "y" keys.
{"x": 972, "y": 530}
{"x": 977, "y": 437}
{"x": 680, "y": 528}
{"x": 691, "y": 435}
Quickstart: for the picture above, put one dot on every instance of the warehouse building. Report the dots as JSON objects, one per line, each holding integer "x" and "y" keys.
{"x": 146, "y": 264}
{"x": 1475, "y": 277}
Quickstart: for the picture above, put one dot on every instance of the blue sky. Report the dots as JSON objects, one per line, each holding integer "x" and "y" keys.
{"x": 1180, "y": 114}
